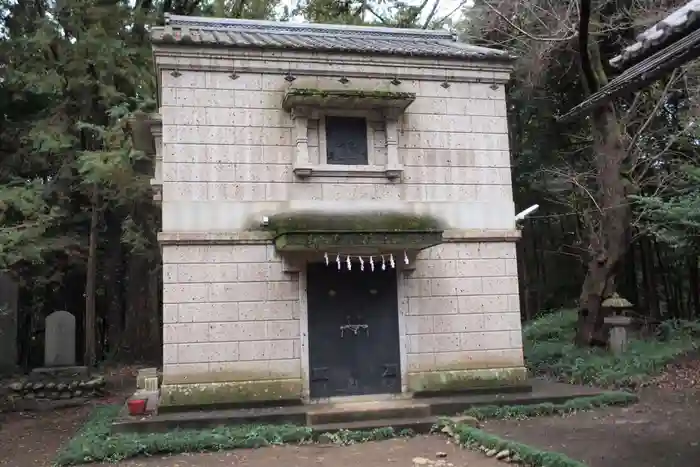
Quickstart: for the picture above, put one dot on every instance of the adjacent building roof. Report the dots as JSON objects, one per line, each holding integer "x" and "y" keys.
{"x": 676, "y": 25}
{"x": 240, "y": 33}
{"x": 660, "y": 49}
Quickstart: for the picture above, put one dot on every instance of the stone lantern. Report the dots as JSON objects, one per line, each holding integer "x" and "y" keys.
{"x": 616, "y": 308}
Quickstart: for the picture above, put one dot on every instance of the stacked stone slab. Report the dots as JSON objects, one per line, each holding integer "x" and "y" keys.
{"x": 66, "y": 385}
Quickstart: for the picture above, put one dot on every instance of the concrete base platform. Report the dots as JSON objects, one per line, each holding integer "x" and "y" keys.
{"x": 418, "y": 414}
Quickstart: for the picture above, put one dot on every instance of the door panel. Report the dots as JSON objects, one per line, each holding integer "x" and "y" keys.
{"x": 353, "y": 331}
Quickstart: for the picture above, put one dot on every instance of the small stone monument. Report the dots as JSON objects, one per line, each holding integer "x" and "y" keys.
{"x": 59, "y": 339}
{"x": 619, "y": 323}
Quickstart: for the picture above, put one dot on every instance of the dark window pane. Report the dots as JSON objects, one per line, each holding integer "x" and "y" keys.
{"x": 346, "y": 140}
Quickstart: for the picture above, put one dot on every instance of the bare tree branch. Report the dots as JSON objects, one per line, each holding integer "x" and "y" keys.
{"x": 653, "y": 113}
{"x": 525, "y": 33}
{"x": 377, "y": 15}
{"x": 431, "y": 14}
{"x": 584, "y": 56}
{"x": 454, "y": 10}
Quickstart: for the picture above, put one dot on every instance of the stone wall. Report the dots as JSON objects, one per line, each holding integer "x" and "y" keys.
{"x": 462, "y": 318}
{"x": 230, "y": 317}
{"x": 233, "y": 318}
{"x": 228, "y": 149}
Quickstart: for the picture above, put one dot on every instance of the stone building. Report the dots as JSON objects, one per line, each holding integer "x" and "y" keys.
{"x": 338, "y": 215}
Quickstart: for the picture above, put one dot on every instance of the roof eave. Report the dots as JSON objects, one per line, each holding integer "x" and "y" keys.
{"x": 675, "y": 26}
{"x": 504, "y": 60}
{"x": 270, "y": 26}
{"x": 641, "y": 75}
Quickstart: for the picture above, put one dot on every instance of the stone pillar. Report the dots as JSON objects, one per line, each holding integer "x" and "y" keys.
{"x": 156, "y": 132}
{"x": 619, "y": 338}
{"x": 392, "y": 142}
{"x": 301, "y": 165}
{"x": 393, "y": 165}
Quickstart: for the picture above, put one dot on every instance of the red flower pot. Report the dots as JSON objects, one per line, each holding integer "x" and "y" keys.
{"x": 136, "y": 406}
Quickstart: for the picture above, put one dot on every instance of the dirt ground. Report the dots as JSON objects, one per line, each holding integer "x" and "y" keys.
{"x": 661, "y": 431}
{"x": 32, "y": 439}
{"x": 394, "y": 452}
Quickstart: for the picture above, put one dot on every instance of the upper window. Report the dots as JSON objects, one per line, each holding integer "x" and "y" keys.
{"x": 346, "y": 141}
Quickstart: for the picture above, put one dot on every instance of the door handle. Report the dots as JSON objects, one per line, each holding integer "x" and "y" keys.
{"x": 354, "y": 328}
{"x": 390, "y": 370}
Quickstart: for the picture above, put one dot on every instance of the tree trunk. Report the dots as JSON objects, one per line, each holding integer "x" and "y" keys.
{"x": 114, "y": 289}
{"x": 90, "y": 283}
{"x": 607, "y": 225}
{"x": 596, "y": 287}
{"x": 670, "y": 308}
{"x": 694, "y": 284}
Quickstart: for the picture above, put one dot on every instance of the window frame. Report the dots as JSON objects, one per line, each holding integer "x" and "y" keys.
{"x": 304, "y": 168}
{"x": 323, "y": 135}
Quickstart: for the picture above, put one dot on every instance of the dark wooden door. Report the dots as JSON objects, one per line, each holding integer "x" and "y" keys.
{"x": 353, "y": 331}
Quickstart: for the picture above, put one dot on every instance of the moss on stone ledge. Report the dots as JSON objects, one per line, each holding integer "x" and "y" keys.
{"x": 204, "y": 394}
{"x": 350, "y": 94}
{"x": 455, "y": 381}
{"x": 349, "y": 242}
{"x": 366, "y": 222}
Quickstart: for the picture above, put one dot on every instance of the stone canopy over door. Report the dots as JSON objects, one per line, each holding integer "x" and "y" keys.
{"x": 352, "y": 263}
{"x": 353, "y": 329}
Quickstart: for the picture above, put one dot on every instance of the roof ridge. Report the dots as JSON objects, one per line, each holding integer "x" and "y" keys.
{"x": 280, "y": 27}
{"x": 679, "y": 22}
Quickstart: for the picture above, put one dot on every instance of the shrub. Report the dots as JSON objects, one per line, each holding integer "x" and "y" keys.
{"x": 549, "y": 350}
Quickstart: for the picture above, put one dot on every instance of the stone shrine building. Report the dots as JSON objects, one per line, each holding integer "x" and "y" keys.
{"x": 337, "y": 213}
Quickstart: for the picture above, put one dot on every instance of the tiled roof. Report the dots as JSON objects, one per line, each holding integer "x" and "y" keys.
{"x": 219, "y": 32}
{"x": 676, "y": 25}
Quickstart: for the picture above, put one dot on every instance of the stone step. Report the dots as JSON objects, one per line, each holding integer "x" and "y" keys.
{"x": 327, "y": 416}
{"x": 368, "y": 411}
{"x": 418, "y": 425}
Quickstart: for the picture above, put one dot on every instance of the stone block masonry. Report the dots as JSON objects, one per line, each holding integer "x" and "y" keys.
{"x": 228, "y": 149}
{"x": 231, "y": 325}
{"x": 235, "y": 322}
{"x": 233, "y": 328}
{"x": 462, "y": 320}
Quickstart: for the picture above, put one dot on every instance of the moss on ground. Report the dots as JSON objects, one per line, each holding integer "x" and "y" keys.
{"x": 470, "y": 437}
{"x": 550, "y": 351}
{"x": 505, "y": 412}
{"x": 96, "y": 443}
{"x": 478, "y": 440}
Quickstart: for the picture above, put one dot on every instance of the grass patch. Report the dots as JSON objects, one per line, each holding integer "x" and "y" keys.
{"x": 488, "y": 412}
{"x": 478, "y": 440}
{"x": 549, "y": 350}
{"x": 96, "y": 443}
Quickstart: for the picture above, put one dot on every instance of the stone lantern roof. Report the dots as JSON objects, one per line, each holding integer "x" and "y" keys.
{"x": 615, "y": 301}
